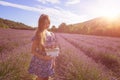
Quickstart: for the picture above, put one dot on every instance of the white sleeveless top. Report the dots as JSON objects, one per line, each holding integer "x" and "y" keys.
{"x": 51, "y": 46}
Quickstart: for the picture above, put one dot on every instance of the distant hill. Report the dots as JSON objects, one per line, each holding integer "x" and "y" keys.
{"x": 99, "y": 26}
{"x": 4, "y": 23}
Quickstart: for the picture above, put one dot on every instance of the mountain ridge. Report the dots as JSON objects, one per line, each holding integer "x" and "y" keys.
{"x": 5, "y": 23}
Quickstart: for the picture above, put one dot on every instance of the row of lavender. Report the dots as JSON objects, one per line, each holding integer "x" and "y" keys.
{"x": 73, "y": 64}
{"x": 15, "y": 54}
{"x": 103, "y": 50}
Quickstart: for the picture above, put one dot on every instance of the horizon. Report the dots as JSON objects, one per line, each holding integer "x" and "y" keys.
{"x": 76, "y": 11}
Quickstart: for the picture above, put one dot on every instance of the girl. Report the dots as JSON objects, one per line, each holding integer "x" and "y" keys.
{"x": 42, "y": 65}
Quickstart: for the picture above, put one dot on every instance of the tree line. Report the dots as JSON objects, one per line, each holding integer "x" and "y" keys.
{"x": 98, "y": 26}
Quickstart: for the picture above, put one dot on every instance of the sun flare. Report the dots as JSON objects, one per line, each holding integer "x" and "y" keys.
{"x": 109, "y": 13}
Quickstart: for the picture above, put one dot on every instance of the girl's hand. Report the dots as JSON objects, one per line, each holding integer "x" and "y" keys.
{"x": 53, "y": 63}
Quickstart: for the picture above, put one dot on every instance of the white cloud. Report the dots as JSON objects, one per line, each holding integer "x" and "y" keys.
{"x": 20, "y": 6}
{"x": 50, "y": 1}
{"x": 70, "y": 2}
{"x": 57, "y": 15}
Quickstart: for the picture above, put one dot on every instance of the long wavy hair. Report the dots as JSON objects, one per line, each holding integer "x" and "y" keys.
{"x": 40, "y": 35}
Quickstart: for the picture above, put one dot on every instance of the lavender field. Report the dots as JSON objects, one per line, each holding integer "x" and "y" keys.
{"x": 82, "y": 57}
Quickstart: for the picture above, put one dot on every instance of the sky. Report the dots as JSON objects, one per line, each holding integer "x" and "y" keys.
{"x": 59, "y": 11}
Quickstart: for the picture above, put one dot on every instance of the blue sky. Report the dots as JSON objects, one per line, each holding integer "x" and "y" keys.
{"x": 68, "y": 11}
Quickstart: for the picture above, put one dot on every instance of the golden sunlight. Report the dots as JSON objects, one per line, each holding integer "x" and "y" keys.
{"x": 109, "y": 14}
{"x": 108, "y": 9}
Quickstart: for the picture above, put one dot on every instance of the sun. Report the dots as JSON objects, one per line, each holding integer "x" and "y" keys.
{"x": 110, "y": 13}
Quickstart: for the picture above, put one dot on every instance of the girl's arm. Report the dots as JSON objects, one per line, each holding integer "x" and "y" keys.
{"x": 33, "y": 51}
